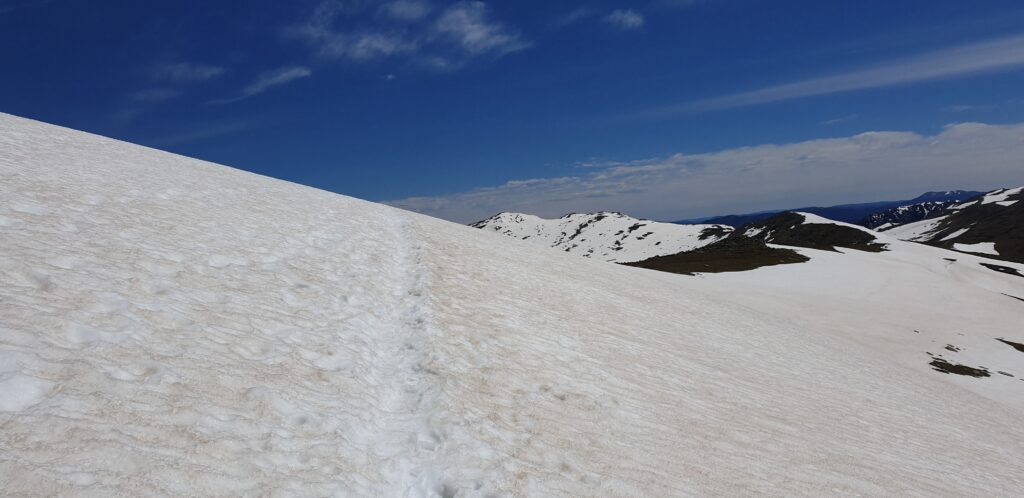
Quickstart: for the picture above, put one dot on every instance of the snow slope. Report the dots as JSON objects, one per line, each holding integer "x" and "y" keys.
{"x": 918, "y": 230}
{"x": 606, "y": 236}
{"x": 173, "y": 327}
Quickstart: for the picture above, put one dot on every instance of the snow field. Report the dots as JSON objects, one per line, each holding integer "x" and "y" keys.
{"x": 171, "y": 327}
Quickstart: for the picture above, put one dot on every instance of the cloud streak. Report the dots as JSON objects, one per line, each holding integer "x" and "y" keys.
{"x": 867, "y": 166}
{"x": 268, "y": 80}
{"x": 186, "y": 72}
{"x": 1002, "y": 54}
{"x": 625, "y": 19}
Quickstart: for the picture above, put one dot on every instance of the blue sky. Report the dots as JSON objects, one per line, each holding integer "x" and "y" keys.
{"x": 666, "y": 108}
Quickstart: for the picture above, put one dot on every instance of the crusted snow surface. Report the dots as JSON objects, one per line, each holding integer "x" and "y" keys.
{"x": 172, "y": 327}
{"x": 980, "y": 247}
{"x": 606, "y": 236}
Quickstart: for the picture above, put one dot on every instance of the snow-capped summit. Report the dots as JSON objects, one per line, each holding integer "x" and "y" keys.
{"x": 171, "y": 327}
{"x": 607, "y": 236}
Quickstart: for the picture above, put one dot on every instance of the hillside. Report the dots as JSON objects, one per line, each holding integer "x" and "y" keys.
{"x": 991, "y": 225}
{"x": 173, "y": 327}
{"x": 605, "y": 236}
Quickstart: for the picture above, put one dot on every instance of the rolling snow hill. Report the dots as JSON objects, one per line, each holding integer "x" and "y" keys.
{"x": 174, "y": 327}
{"x": 990, "y": 225}
{"x": 605, "y": 236}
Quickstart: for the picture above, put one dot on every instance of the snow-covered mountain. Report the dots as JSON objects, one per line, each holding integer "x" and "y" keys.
{"x": 992, "y": 225}
{"x": 768, "y": 242}
{"x": 848, "y": 213}
{"x": 169, "y": 326}
{"x": 901, "y": 215}
{"x": 606, "y": 236}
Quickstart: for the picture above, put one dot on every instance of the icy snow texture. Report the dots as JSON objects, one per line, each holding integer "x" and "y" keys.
{"x": 606, "y": 236}
{"x": 197, "y": 330}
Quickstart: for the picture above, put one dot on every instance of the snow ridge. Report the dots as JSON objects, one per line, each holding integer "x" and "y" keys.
{"x": 605, "y": 235}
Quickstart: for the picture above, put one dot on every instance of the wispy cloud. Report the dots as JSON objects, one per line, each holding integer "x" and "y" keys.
{"x": 186, "y": 72}
{"x": 839, "y": 120}
{"x": 406, "y": 10}
{"x": 816, "y": 172}
{"x": 413, "y": 30}
{"x": 625, "y": 19}
{"x": 1002, "y": 54}
{"x": 268, "y": 80}
{"x": 968, "y": 107}
{"x": 468, "y": 25}
{"x": 360, "y": 44}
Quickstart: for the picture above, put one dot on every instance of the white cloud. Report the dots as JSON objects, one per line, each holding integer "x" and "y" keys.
{"x": 406, "y": 10}
{"x": 186, "y": 72}
{"x": 444, "y": 39}
{"x": 467, "y": 24}
{"x": 865, "y": 167}
{"x": 268, "y": 80}
{"x": 361, "y": 44}
{"x": 625, "y": 19}
{"x": 366, "y": 46}
{"x": 996, "y": 55}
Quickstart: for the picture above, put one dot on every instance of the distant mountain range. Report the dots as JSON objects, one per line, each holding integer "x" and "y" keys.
{"x": 901, "y": 215}
{"x": 988, "y": 224}
{"x": 848, "y": 213}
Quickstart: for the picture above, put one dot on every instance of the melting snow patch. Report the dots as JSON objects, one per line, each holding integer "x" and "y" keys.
{"x": 956, "y": 233}
{"x": 979, "y": 248}
{"x": 1001, "y": 195}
